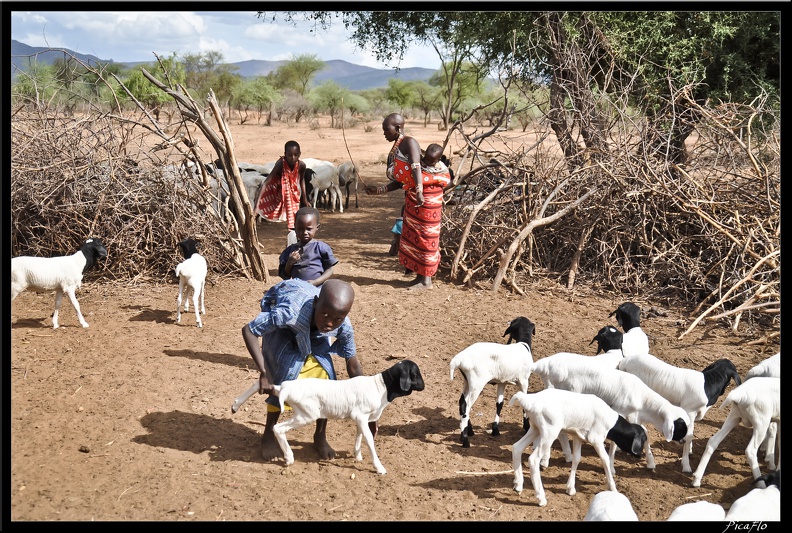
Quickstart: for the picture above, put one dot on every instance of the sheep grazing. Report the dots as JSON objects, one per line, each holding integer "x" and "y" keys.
{"x": 701, "y": 511}
{"x": 623, "y": 392}
{"x": 635, "y": 341}
{"x": 759, "y": 505}
{"x": 610, "y": 506}
{"x": 693, "y": 391}
{"x": 585, "y": 417}
{"x": 485, "y": 362}
{"x": 362, "y": 399}
{"x": 192, "y": 277}
{"x": 348, "y": 179}
{"x": 755, "y": 404}
{"x": 62, "y": 274}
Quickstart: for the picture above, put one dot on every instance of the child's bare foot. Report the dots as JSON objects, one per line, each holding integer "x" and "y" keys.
{"x": 270, "y": 449}
{"x": 324, "y": 449}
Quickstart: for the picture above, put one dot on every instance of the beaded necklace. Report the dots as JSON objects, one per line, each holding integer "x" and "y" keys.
{"x": 395, "y": 146}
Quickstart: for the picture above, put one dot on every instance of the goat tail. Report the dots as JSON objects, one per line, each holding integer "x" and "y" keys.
{"x": 453, "y": 368}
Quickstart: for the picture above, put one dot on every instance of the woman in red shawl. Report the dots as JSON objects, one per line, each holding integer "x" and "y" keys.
{"x": 283, "y": 192}
{"x": 419, "y": 246}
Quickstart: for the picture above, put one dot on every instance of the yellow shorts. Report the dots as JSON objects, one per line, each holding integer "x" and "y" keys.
{"x": 311, "y": 369}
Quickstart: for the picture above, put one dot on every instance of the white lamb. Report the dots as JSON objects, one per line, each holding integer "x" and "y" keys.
{"x": 770, "y": 367}
{"x": 585, "y": 417}
{"x": 62, "y": 274}
{"x": 693, "y": 391}
{"x": 759, "y": 505}
{"x": 635, "y": 341}
{"x": 362, "y": 399}
{"x": 623, "y": 392}
{"x": 701, "y": 511}
{"x": 610, "y": 506}
{"x": 325, "y": 178}
{"x": 192, "y": 277}
{"x": 485, "y": 362}
{"x": 754, "y": 404}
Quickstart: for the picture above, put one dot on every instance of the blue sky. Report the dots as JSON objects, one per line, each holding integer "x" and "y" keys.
{"x": 128, "y": 36}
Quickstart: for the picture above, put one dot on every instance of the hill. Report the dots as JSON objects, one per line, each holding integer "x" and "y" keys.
{"x": 353, "y": 77}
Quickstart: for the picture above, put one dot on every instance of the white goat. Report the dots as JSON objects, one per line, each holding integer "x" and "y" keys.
{"x": 754, "y": 404}
{"x": 635, "y": 341}
{"x": 585, "y": 417}
{"x": 485, "y": 362}
{"x": 192, "y": 277}
{"x": 701, "y": 511}
{"x": 62, "y": 274}
{"x": 770, "y": 367}
{"x": 693, "y": 391}
{"x": 758, "y": 505}
{"x": 348, "y": 178}
{"x": 325, "y": 178}
{"x": 362, "y": 399}
{"x": 608, "y": 506}
{"x": 623, "y": 392}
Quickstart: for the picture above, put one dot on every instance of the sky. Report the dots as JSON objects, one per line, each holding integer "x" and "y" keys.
{"x": 131, "y": 36}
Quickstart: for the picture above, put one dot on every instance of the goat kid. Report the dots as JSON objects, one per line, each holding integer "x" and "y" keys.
{"x": 485, "y": 362}
{"x": 63, "y": 274}
{"x": 361, "y": 399}
{"x": 635, "y": 341}
{"x": 348, "y": 178}
{"x": 585, "y": 417}
{"x": 192, "y": 278}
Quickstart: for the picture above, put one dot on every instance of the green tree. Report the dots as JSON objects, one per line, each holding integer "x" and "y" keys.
{"x": 329, "y": 97}
{"x": 38, "y": 84}
{"x": 146, "y": 93}
{"x": 298, "y": 72}
{"x": 458, "y": 82}
{"x": 256, "y": 94}
{"x": 398, "y": 92}
{"x": 424, "y": 97}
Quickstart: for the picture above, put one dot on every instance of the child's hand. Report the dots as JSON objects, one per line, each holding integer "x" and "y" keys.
{"x": 294, "y": 257}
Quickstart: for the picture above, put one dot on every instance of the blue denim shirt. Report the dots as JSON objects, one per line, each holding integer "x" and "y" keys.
{"x": 284, "y": 325}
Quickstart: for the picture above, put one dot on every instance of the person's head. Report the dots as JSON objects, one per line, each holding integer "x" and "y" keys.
{"x": 306, "y": 222}
{"x": 393, "y": 126}
{"x": 333, "y": 304}
{"x": 291, "y": 151}
{"x": 432, "y": 155}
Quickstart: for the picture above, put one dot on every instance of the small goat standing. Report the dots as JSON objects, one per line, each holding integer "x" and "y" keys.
{"x": 362, "y": 399}
{"x": 63, "y": 274}
{"x": 192, "y": 276}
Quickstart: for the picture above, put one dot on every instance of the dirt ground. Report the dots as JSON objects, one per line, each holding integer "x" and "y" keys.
{"x": 130, "y": 419}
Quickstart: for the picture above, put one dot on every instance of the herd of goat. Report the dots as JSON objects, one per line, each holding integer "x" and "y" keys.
{"x": 609, "y": 396}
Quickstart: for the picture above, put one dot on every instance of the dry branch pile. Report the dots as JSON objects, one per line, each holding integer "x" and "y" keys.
{"x": 73, "y": 178}
{"x": 705, "y": 234}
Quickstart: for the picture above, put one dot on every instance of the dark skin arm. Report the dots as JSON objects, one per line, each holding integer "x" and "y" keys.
{"x": 303, "y": 195}
{"x": 391, "y": 186}
{"x": 253, "y": 345}
{"x": 327, "y": 274}
{"x": 412, "y": 150}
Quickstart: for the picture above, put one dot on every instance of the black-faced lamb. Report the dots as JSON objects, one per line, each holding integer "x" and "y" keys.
{"x": 62, "y": 274}
{"x": 635, "y": 341}
{"x": 692, "y": 390}
{"x": 192, "y": 278}
{"x": 361, "y": 399}
{"x": 485, "y": 362}
{"x": 754, "y": 404}
{"x": 584, "y": 417}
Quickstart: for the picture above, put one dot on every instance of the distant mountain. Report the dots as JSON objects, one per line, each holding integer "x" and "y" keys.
{"x": 353, "y": 77}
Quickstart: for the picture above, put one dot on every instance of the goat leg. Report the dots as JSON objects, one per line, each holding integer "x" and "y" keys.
{"x": 242, "y": 398}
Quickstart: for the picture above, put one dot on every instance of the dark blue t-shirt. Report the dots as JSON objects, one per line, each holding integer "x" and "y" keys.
{"x": 317, "y": 256}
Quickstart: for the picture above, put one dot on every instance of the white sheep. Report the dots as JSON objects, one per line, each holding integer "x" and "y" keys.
{"x": 585, "y": 417}
{"x": 609, "y": 506}
{"x": 701, "y": 511}
{"x": 759, "y": 505}
{"x": 692, "y": 390}
{"x": 754, "y": 404}
{"x": 62, "y": 274}
{"x": 485, "y": 362}
{"x": 635, "y": 341}
{"x": 348, "y": 178}
{"x": 325, "y": 178}
{"x": 192, "y": 277}
{"x": 770, "y": 367}
{"x": 361, "y": 399}
{"x": 623, "y": 392}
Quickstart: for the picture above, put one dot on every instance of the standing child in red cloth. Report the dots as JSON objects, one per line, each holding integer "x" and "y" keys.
{"x": 283, "y": 192}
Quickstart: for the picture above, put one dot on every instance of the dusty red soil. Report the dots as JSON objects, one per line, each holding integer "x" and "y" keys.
{"x": 130, "y": 419}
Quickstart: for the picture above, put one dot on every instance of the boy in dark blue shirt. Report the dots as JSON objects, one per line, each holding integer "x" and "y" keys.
{"x": 308, "y": 259}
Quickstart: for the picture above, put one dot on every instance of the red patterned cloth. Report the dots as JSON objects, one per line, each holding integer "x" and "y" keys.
{"x": 280, "y": 199}
{"x": 419, "y": 247}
